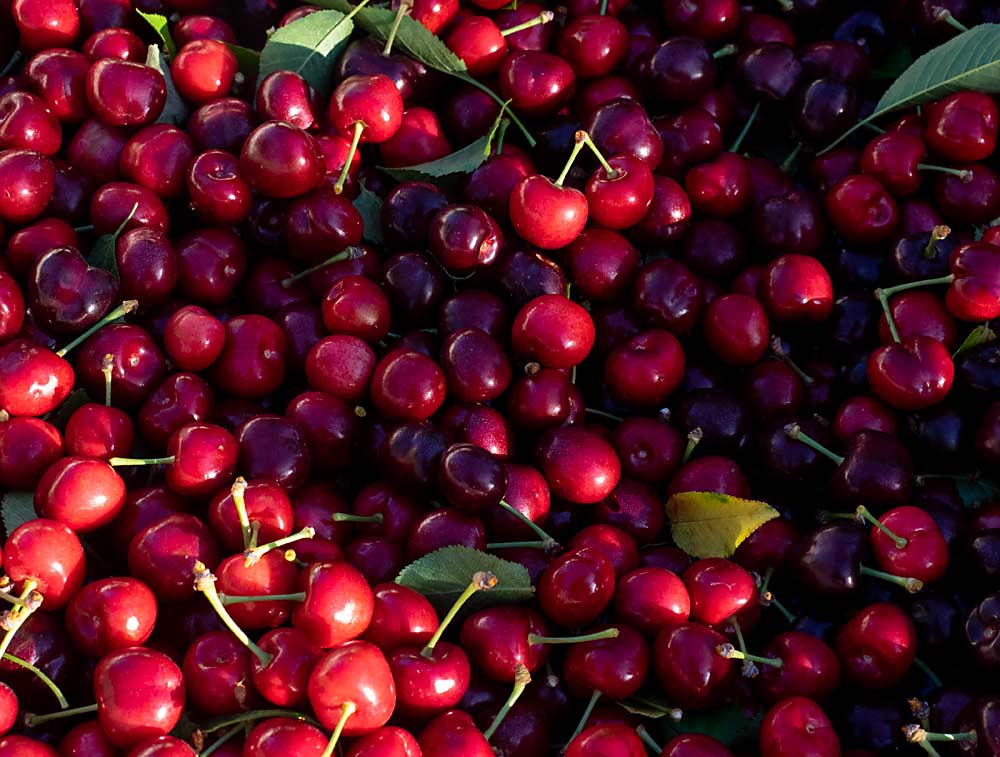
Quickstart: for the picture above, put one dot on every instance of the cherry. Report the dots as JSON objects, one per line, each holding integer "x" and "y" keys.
{"x": 22, "y": 746}
{"x": 365, "y": 108}
{"x": 454, "y": 732}
{"x": 162, "y": 746}
{"x": 693, "y": 675}
{"x": 798, "y": 726}
{"x": 351, "y": 689}
{"x": 26, "y": 123}
{"x": 736, "y": 329}
{"x": 975, "y": 268}
{"x": 407, "y": 386}
{"x": 538, "y": 83}
{"x": 577, "y": 587}
{"x": 907, "y": 542}
{"x": 680, "y": 70}
{"x": 284, "y": 679}
{"x": 338, "y": 604}
{"x": 30, "y": 180}
{"x": 284, "y": 735}
{"x": 43, "y": 25}
{"x": 191, "y": 27}
{"x": 545, "y": 213}
{"x": 622, "y": 127}
{"x": 280, "y": 160}
{"x": 593, "y": 45}
{"x": 217, "y": 674}
{"x": 463, "y": 239}
{"x": 163, "y": 554}
{"x": 962, "y": 127}
{"x": 912, "y": 374}
{"x": 861, "y": 210}
{"x": 719, "y": 590}
{"x": 386, "y": 741}
{"x": 578, "y": 465}
{"x": 140, "y": 695}
{"x": 611, "y": 739}
{"x": 45, "y": 555}
{"x": 877, "y": 646}
{"x": 203, "y": 70}
{"x": 694, "y": 745}
{"x": 962, "y": 199}
{"x": 668, "y": 295}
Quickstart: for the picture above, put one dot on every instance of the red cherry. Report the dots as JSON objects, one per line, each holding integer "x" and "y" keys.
{"x": 962, "y": 127}
{"x": 217, "y": 674}
{"x": 284, "y": 736}
{"x": 736, "y": 329}
{"x": 28, "y": 179}
{"x": 50, "y": 554}
{"x": 796, "y": 288}
{"x": 553, "y": 330}
{"x": 650, "y": 599}
{"x": 388, "y": 741}
{"x": 140, "y": 695}
{"x": 578, "y": 465}
{"x": 353, "y": 674}
{"x": 607, "y": 740}
{"x": 407, "y": 386}
{"x": 338, "y": 606}
{"x": 861, "y": 210}
{"x": 282, "y": 161}
{"x": 797, "y": 727}
{"x": 454, "y": 732}
{"x": 877, "y": 646}
{"x": 923, "y": 556}
{"x": 203, "y": 70}
{"x": 975, "y": 293}
{"x": 912, "y": 374}
{"x": 692, "y": 673}
{"x": 809, "y": 668}
{"x": 163, "y": 555}
{"x": 576, "y": 587}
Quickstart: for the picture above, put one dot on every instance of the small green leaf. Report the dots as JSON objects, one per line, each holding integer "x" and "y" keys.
{"x": 982, "y": 334}
{"x": 463, "y": 161}
{"x": 968, "y": 61}
{"x": 369, "y": 205}
{"x": 443, "y": 575}
{"x": 977, "y": 491}
{"x": 647, "y": 708}
{"x": 309, "y": 46}
{"x": 159, "y": 24}
{"x": 248, "y": 61}
{"x": 16, "y": 508}
{"x": 706, "y": 524}
{"x": 730, "y": 724}
{"x": 175, "y": 110}
{"x": 104, "y": 252}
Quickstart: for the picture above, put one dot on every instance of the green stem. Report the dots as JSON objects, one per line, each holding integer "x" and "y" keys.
{"x": 238, "y": 492}
{"x": 937, "y": 234}
{"x": 695, "y": 436}
{"x": 204, "y": 582}
{"x": 739, "y": 637}
{"x": 404, "y": 9}
{"x": 49, "y": 683}
{"x": 865, "y": 515}
{"x": 952, "y": 737}
{"x": 931, "y": 675}
{"x": 543, "y": 545}
{"x": 779, "y": 350}
{"x": 229, "y": 599}
{"x": 890, "y": 291}
{"x": 725, "y": 51}
{"x": 611, "y": 172}
{"x": 746, "y": 128}
{"x": 577, "y": 146}
{"x": 121, "y": 462}
{"x": 227, "y": 736}
{"x": 542, "y": 18}
{"x": 883, "y": 301}
{"x": 604, "y": 7}
{"x": 786, "y": 164}
{"x": 352, "y": 518}
{"x": 773, "y": 601}
{"x": 793, "y": 431}
{"x": 14, "y": 60}
{"x": 346, "y": 710}
{"x": 28, "y": 601}
{"x": 122, "y": 310}
{"x": 242, "y": 718}
{"x": 253, "y": 555}
{"x": 86, "y": 229}
{"x": 107, "y": 368}
{"x": 730, "y": 653}
{"x": 538, "y": 530}
{"x": 521, "y": 680}
{"x": 500, "y": 101}
{"x": 359, "y": 128}
{"x": 943, "y": 14}
{"x": 481, "y": 581}
{"x": 647, "y": 739}
{"x": 31, "y": 720}
{"x": 961, "y": 173}
{"x": 586, "y": 715}
{"x": 603, "y": 414}
{"x": 607, "y": 633}
{"x": 912, "y": 585}
{"x": 345, "y": 254}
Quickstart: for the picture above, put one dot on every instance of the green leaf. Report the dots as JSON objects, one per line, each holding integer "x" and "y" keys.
{"x": 463, "y": 161}
{"x": 968, "y": 61}
{"x": 982, "y": 334}
{"x": 309, "y": 46}
{"x": 647, "y": 708}
{"x": 369, "y": 205}
{"x": 104, "y": 252}
{"x": 442, "y": 575}
{"x": 896, "y": 62}
{"x": 730, "y": 724}
{"x": 412, "y": 37}
{"x": 16, "y": 508}
{"x": 706, "y": 524}
{"x": 248, "y": 61}
{"x": 159, "y": 24}
{"x": 976, "y": 491}
{"x": 175, "y": 110}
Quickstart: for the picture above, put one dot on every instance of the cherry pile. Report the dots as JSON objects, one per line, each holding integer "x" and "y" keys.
{"x": 267, "y": 346}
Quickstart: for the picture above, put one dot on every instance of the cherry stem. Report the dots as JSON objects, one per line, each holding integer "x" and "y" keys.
{"x": 120, "y": 462}
{"x": 695, "y": 436}
{"x": 647, "y": 739}
{"x": 786, "y": 164}
{"x": 604, "y": 414}
{"x": 12, "y": 63}
{"x": 725, "y": 51}
{"x": 964, "y": 174}
{"x": 252, "y": 556}
{"x": 254, "y": 534}
{"x": 227, "y": 736}
{"x": 204, "y": 581}
{"x": 122, "y": 310}
{"x": 794, "y": 432}
{"x": 352, "y": 518}
{"x": 346, "y": 710}
{"x": 862, "y": 514}
{"x": 604, "y": 7}
{"x": 912, "y": 585}
{"x": 586, "y": 715}
{"x": 917, "y": 735}
{"x": 581, "y": 140}
{"x": 10, "y": 621}
{"x": 86, "y": 229}
{"x": 943, "y": 14}
{"x": 937, "y": 234}
{"x": 513, "y": 116}
{"x": 872, "y": 127}
{"x": 926, "y": 670}
{"x": 746, "y": 128}
{"x": 542, "y": 545}
{"x": 890, "y": 291}
{"x": 107, "y": 367}
{"x": 613, "y": 173}
{"x": 521, "y": 680}
{"x": 786, "y": 5}
{"x": 768, "y": 599}
{"x": 40, "y": 674}
{"x": 779, "y": 351}
{"x": 242, "y": 718}
{"x": 731, "y": 653}
{"x": 31, "y": 720}
{"x": 607, "y": 633}
{"x": 238, "y": 492}
{"x": 230, "y": 599}
{"x": 481, "y": 581}
{"x": 359, "y": 128}
{"x": 404, "y": 10}
{"x": 538, "y": 530}
{"x": 739, "y": 635}
{"x": 345, "y": 254}
{"x": 542, "y": 18}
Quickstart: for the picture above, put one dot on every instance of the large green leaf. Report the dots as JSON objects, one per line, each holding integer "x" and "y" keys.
{"x": 248, "y": 61}
{"x": 175, "y": 110}
{"x": 309, "y": 46}
{"x": 970, "y": 60}
{"x": 443, "y": 575}
{"x": 159, "y": 24}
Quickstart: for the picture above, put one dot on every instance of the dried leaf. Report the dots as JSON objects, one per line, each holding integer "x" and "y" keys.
{"x": 706, "y": 524}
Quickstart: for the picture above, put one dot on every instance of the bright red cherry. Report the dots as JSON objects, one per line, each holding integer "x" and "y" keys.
{"x": 796, "y": 727}
{"x": 877, "y": 646}
{"x": 140, "y": 695}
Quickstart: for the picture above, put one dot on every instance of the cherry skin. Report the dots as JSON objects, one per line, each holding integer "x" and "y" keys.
{"x": 496, "y": 640}
{"x": 429, "y": 684}
{"x": 553, "y": 330}
{"x": 924, "y": 556}
{"x": 140, "y": 695}
{"x": 796, "y": 288}
{"x": 388, "y": 741}
{"x": 84, "y": 493}
{"x": 720, "y": 188}
{"x": 22, "y": 746}
{"x": 203, "y": 70}
{"x": 8, "y": 708}
{"x": 407, "y": 386}
{"x": 284, "y": 736}
{"x": 281, "y": 161}
{"x": 123, "y": 93}
{"x": 265, "y": 502}
{"x": 861, "y": 210}
{"x": 272, "y": 574}
{"x": 538, "y": 83}
{"x": 48, "y": 552}
{"x": 371, "y": 100}
{"x": 338, "y": 604}
{"x": 193, "y": 338}
{"x": 252, "y": 362}
{"x": 736, "y": 329}
{"x": 719, "y": 590}
{"x": 354, "y": 673}
{"x": 217, "y": 674}
{"x": 577, "y": 587}
{"x": 621, "y": 198}
{"x": 809, "y": 668}
{"x": 877, "y": 646}
{"x": 284, "y": 680}
{"x": 42, "y": 25}
{"x": 545, "y": 214}
{"x": 690, "y": 670}
{"x": 912, "y": 374}
{"x": 87, "y": 738}
{"x": 798, "y": 726}
{"x": 962, "y": 127}
{"x": 30, "y": 180}
{"x": 401, "y": 617}
{"x": 163, "y": 555}
{"x": 28, "y": 446}
{"x": 463, "y": 239}
{"x": 649, "y": 599}
{"x": 610, "y": 739}
{"x": 974, "y": 292}
{"x": 578, "y": 465}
